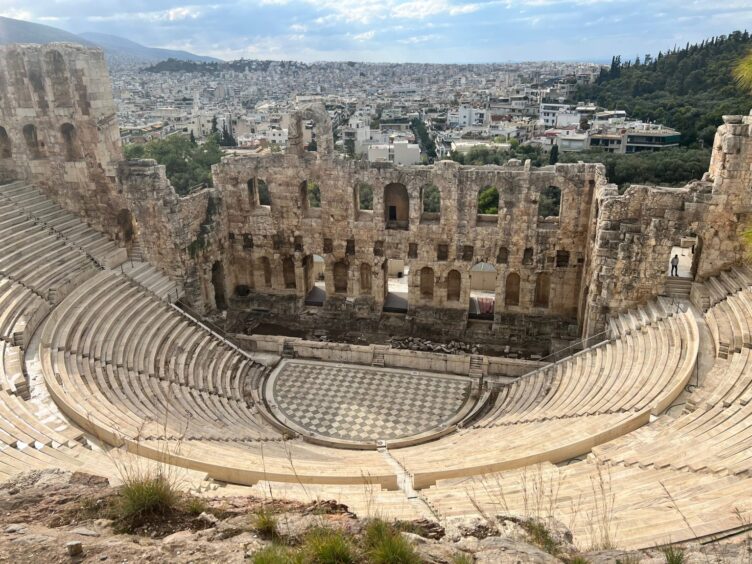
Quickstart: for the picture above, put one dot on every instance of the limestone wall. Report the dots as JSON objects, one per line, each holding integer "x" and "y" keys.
{"x": 359, "y": 242}
{"x": 634, "y": 232}
{"x": 58, "y": 127}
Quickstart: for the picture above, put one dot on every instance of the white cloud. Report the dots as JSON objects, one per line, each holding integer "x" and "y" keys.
{"x": 365, "y": 36}
{"x": 415, "y": 39}
{"x": 298, "y": 28}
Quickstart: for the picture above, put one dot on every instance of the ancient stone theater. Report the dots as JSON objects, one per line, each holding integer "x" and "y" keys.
{"x": 361, "y": 345}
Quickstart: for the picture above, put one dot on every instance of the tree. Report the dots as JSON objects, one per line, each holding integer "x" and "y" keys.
{"x": 187, "y": 165}
{"x": 553, "y": 156}
{"x": 226, "y": 139}
{"x": 214, "y": 125}
{"x": 488, "y": 201}
{"x": 193, "y": 138}
{"x": 743, "y": 72}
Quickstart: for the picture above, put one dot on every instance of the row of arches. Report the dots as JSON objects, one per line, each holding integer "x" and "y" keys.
{"x": 36, "y": 147}
{"x": 397, "y": 201}
{"x": 313, "y": 269}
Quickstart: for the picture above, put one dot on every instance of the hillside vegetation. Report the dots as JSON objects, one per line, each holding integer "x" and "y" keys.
{"x": 688, "y": 89}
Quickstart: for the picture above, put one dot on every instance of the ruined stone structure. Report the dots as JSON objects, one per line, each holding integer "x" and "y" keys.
{"x": 58, "y": 128}
{"x": 410, "y": 434}
{"x": 248, "y": 243}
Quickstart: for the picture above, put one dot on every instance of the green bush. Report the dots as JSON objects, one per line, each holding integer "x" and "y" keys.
{"x": 386, "y": 545}
{"x": 326, "y": 546}
{"x": 265, "y": 524}
{"x": 145, "y": 496}
{"x": 276, "y": 554}
{"x": 196, "y": 506}
{"x": 673, "y": 554}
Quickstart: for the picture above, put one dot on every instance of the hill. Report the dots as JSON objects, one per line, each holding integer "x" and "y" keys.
{"x": 121, "y": 46}
{"x": 117, "y": 49}
{"x": 688, "y": 89}
{"x": 19, "y": 31}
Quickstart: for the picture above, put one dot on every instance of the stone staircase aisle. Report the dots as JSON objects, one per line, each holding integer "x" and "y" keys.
{"x": 678, "y": 287}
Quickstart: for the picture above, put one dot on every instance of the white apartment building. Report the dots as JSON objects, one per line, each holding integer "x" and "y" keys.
{"x": 466, "y": 116}
{"x": 400, "y": 152}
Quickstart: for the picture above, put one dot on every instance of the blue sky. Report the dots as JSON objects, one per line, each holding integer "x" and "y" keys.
{"x": 438, "y": 31}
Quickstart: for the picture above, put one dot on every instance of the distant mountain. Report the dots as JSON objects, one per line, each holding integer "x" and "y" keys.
{"x": 112, "y": 44}
{"x": 19, "y": 31}
{"x": 117, "y": 49}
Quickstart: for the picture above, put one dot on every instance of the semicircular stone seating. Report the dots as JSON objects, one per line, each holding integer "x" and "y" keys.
{"x": 675, "y": 479}
{"x": 587, "y": 437}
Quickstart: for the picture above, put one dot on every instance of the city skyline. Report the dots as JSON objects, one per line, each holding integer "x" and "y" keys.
{"x": 430, "y": 31}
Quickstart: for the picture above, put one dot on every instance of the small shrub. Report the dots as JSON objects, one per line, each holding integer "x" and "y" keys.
{"x": 265, "y": 524}
{"x": 577, "y": 560}
{"x": 540, "y": 536}
{"x": 145, "y": 496}
{"x": 394, "y": 549}
{"x": 276, "y": 554}
{"x": 196, "y": 506}
{"x": 673, "y": 554}
{"x": 462, "y": 559}
{"x": 386, "y": 545}
{"x": 325, "y": 546}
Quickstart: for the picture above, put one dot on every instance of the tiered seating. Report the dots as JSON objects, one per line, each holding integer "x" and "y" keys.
{"x": 26, "y": 206}
{"x": 130, "y": 369}
{"x": 152, "y": 279}
{"x": 564, "y": 410}
{"x": 702, "y": 458}
{"x": 729, "y": 310}
{"x": 632, "y": 320}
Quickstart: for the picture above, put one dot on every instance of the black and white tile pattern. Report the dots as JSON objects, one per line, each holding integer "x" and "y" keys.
{"x": 362, "y": 404}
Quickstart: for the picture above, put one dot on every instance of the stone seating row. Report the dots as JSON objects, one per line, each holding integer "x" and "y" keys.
{"x": 626, "y": 505}
{"x": 634, "y": 319}
{"x": 646, "y": 368}
{"x": 145, "y": 275}
{"x": 20, "y": 310}
{"x": 167, "y": 404}
{"x": 186, "y": 391}
{"x": 565, "y": 410}
{"x": 35, "y": 206}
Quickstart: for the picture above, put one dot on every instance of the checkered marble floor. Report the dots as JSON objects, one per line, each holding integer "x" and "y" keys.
{"x": 363, "y": 404}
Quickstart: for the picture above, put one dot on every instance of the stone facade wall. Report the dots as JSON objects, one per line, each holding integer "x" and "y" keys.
{"x": 514, "y": 241}
{"x": 59, "y": 124}
{"x": 635, "y": 232}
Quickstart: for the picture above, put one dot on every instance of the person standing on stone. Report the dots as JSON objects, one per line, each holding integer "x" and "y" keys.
{"x": 675, "y": 266}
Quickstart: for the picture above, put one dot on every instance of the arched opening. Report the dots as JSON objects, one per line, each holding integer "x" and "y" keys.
{"x": 6, "y": 151}
{"x": 482, "y": 291}
{"x": 59, "y": 78}
{"x": 430, "y": 197}
{"x": 542, "y": 290}
{"x": 454, "y": 286}
{"x": 288, "y": 273}
{"x": 252, "y": 193}
{"x": 502, "y": 257}
{"x": 310, "y": 195}
{"x": 125, "y": 223}
{"x": 264, "y": 196}
{"x": 488, "y": 205}
{"x": 70, "y": 142}
{"x": 313, "y": 275}
{"x": 363, "y": 197}
{"x": 340, "y": 272}
{"x": 396, "y": 274}
{"x": 32, "y": 142}
{"x": 549, "y": 202}
{"x": 512, "y": 292}
{"x": 265, "y": 268}
{"x": 218, "y": 282}
{"x": 365, "y": 278}
{"x": 396, "y": 207}
{"x": 426, "y": 283}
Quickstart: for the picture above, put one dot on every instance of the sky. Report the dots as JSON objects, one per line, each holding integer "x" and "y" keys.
{"x": 431, "y": 31}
